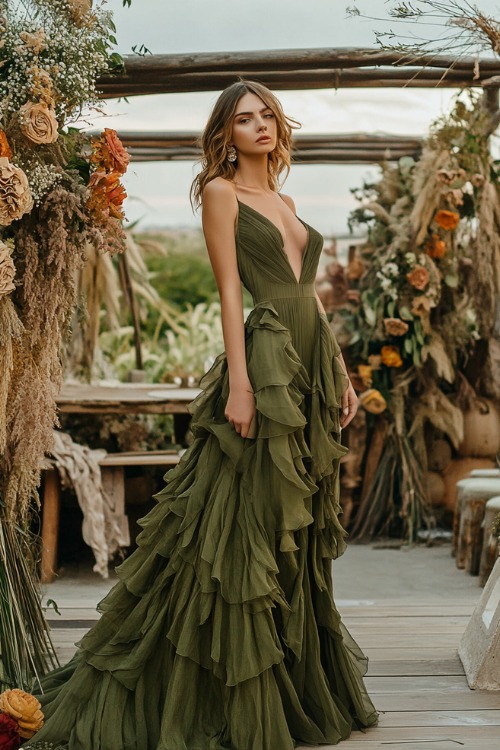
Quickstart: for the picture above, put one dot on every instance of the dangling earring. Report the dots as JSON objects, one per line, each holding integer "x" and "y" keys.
{"x": 231, "y": 153}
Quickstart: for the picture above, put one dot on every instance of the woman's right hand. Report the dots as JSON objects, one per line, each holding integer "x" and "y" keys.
{"x": 240, "y": 408}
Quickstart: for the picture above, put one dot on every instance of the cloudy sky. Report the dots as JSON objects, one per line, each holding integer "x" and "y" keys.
{"x": 158, "y": 192}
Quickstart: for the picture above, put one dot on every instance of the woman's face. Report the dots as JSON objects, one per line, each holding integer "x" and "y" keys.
{"x": 252, "y": 121}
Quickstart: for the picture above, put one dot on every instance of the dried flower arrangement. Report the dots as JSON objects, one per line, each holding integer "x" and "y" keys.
{"x": 60, "y": 196}
{"x": 422, "y": 306}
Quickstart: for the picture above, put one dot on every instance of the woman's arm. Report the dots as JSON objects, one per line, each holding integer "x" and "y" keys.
{"x": 219, "y": 213}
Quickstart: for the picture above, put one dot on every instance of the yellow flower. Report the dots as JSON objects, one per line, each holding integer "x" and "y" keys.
{"x": 365, "y": 373}
{"x": 25, "y": 709}
{"x": 391, "y": 356}
{"x": 373, "y": 401}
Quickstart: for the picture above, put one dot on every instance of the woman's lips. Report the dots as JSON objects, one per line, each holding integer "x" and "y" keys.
{"x": 263, "y": 139}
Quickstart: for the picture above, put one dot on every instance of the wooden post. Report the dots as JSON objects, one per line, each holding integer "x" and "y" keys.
{"x": 51, "y": 505}
{"x": 129, "y": 293}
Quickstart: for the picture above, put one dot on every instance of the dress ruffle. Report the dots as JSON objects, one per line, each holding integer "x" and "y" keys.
{"x": 230, "y": 588}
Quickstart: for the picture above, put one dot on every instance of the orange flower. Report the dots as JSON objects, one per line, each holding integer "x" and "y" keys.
{"x": 365, "y": 373}
{"x": 447, "y": 219}
{"x": 109, "y": 153}
{"x": 436, "y": 247}
{"x": 419, "y": 277}
{"x": 106, "y": 196}
{"x": 5, "y": 149}
{"x": 391, "y": 356}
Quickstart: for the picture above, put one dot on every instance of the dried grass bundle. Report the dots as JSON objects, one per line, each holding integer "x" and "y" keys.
{"x": 26, "y": 642}
{"x": 10, "y": 331}
{"x": 48, "y": 253}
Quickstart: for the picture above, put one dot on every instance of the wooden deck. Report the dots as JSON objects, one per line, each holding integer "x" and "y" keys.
{"x": 412, "y": 609}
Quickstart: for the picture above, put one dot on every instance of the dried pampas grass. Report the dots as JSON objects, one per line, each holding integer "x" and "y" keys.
{"x": 48, "y": 255}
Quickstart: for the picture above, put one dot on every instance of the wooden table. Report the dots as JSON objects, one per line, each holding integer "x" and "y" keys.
{"x": 130, "y": 398}
{"x": 120, "y": 398}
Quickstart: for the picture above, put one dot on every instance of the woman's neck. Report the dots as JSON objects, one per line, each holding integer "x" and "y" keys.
{"x": 252, "y": 175}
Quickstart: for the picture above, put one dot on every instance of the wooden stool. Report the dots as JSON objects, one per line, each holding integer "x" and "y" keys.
{"x": 472, "y": 495}
{"x": 491, "y": 547}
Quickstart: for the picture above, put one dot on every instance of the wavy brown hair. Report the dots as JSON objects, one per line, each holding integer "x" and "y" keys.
{"x": 218, "y": 131}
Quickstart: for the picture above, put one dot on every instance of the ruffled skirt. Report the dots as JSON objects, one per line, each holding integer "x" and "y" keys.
{"x": 222, "y": 632}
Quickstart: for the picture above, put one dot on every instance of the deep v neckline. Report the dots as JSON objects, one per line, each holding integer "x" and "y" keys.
{"x": 282, "y": 245}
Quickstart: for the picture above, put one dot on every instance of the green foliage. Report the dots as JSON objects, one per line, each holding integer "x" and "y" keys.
{"x": 183, "y": 279}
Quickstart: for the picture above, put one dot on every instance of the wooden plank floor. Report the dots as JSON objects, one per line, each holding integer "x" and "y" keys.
{"x": 408, "y": 620}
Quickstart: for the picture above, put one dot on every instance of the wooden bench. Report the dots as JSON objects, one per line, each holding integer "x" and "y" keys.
{"x": 113, "y": 467}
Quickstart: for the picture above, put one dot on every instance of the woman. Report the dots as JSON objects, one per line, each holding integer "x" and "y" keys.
{"x": 222, "y": 631}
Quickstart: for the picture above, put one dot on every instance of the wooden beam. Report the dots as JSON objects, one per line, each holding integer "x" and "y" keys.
{"x": 292, "y": 70}
{"x": 358, "y": 148}
{"x": 303, "y": 59}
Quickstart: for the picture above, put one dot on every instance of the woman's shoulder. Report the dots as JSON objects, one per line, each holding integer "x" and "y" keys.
{"x": 219, "y": 188}
{"x": 289, "y": 201}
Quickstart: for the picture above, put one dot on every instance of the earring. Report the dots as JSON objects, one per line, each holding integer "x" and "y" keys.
{"x": 231, "y": 153}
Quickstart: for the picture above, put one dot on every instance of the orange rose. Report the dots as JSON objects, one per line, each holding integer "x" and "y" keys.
{"x": 447, "y": 219}
{"x": 5, "y": 149}
{"x": 109, "y": 152}
{"x": 436, "y": 247}
{"x": 419, "y": 277}
{"x": 391, "y": 356}
{"x": 106, "y": 196}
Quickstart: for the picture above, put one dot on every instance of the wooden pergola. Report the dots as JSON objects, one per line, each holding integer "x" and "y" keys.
{"x": 297, "y": 69}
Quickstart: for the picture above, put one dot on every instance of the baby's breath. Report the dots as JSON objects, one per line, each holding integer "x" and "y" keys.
{"x": 73, "y": 56}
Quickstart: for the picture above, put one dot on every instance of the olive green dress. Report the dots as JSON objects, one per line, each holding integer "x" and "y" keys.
{"x": 222, "y": 631}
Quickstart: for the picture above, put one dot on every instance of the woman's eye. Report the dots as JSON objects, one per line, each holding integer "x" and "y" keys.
{"x": 269, "y": 115}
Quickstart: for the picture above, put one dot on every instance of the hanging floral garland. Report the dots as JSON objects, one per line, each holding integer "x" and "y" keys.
{"x": 59, "y": 196}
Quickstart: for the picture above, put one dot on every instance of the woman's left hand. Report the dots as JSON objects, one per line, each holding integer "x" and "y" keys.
{"x": 349, "y": 406}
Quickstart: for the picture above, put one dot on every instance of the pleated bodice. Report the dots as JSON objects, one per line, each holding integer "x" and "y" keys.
{"x": 266, "y": 272}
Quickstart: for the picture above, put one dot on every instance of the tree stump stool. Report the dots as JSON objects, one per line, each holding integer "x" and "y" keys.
{"x": 491, "y": 547}
{"x": 472, "y": 496}
{"x": 486, "y": 473}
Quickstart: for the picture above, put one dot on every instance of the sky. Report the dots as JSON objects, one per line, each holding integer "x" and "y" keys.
{"x": 158, "y": 192}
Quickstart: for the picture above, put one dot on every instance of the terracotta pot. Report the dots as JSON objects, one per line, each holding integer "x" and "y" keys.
{"x": 435, "y": 488}
{"x": 481, "y": 430}
{"x": 459, "y": 469}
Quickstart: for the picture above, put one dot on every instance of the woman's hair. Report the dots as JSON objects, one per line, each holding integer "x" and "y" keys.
{"x": 218, "y": 131}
